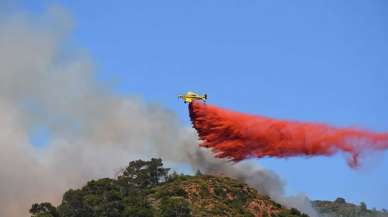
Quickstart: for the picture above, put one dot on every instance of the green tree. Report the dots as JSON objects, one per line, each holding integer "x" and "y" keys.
{"x": 73, "y": 205}
{"x": 295, "y": 212}
{"x": 340, "y": 200}
{"x": 156, "y": 171}
{"x": 171, "y": 177}
{"x": 138, "y": 212}
{"x": 43, "y": 210}
{"x": 363, "y": 207}
{"x": 144, "y": 174}
{"x": 175, "y": 207}
{"x": 198, "y": 173}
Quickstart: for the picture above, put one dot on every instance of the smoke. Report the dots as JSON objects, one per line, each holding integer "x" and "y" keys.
{"x": 238, "y": 136}
{"x": 93, "y": 132}
{"x": 44, "y": 81}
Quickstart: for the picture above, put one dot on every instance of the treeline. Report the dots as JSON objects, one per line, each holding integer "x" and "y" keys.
{"x": 147, "y": 189}
{"x": 340, "y": 207}
{"x": 125, "y": 196}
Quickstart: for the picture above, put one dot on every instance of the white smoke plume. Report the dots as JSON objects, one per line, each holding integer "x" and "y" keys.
{"x": 93, "y": 132}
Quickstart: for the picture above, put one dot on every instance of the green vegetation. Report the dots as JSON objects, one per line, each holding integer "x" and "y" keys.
{"x": 43, "y": 210}
{"x": 145, "y": 189}
{"x": 340, "y": 208}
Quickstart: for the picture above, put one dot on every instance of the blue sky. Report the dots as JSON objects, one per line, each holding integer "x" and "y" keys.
{"x": 306, "y": 60}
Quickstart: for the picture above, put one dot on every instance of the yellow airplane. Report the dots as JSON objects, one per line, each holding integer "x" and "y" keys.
{"x": 190, "y": 96}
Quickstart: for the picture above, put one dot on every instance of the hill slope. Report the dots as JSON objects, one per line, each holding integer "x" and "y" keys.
{"x": 340, "y": 208}
{"x": 219, "y": 196}
{"x": 145, "y": 189}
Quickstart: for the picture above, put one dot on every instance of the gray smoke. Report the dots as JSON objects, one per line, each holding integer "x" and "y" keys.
{"x": 93, "y": 132}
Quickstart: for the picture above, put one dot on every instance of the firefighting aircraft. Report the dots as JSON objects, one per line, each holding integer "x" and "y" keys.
{"x": 190, "y": 96}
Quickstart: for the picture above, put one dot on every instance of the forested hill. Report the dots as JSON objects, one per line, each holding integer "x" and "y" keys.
{"x": 146, "y": 188}
{"x": 340, "y": 208}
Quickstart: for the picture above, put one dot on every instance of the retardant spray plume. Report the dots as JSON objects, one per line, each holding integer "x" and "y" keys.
{"x": 240, "y": 136}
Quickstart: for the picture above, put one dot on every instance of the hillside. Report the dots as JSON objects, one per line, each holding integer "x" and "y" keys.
{"x": 218, "y": 196}
{"x": 340, "y": 208}
{"x": 146, "y": 189}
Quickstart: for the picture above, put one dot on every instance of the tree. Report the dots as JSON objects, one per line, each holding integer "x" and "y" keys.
{"x": 43, "y": 210}
{"x": 363, "y": 207}
{"x": 138, "y": 212}
{"x": 157, "y": 172}
{"x": 144, "y": 174}
{"x": 73, "y": 205}
{"x": 340, "y": 200}
{"x": 172, "y": 176}
{"x": 198, "y": 173}
{"x": 175, "y": 207}
{"x": 295, "y": 212}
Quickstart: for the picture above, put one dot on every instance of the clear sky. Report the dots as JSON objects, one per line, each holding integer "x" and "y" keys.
{"x": 306, "y": 60}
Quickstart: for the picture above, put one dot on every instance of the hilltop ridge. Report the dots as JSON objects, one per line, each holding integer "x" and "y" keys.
{"x": 147, "y": 189}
